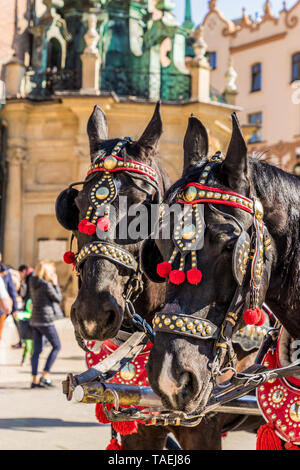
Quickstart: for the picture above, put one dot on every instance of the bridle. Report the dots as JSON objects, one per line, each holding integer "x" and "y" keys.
{"x": 254, "y": 247}
{"x": 101, "y": 195}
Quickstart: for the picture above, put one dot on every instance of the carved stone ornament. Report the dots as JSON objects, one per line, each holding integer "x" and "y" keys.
{"x": 15, "y": 156}
{"x": 91, "y": 37}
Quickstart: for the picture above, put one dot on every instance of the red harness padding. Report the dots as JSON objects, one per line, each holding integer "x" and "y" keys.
{"x": 133, "y": 373}
{"x": 279, "y": 401}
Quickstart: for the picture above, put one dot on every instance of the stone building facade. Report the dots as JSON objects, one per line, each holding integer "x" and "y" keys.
{"x": 68, "y": 56}
{"x": 265, "y": 54}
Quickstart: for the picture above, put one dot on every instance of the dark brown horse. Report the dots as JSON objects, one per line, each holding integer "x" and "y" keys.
{"x": 180, "y": 367}
{"x": 99, "y": 309}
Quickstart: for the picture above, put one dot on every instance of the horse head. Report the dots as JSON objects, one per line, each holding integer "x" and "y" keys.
{"x": 217, "y": 260}
{"x": 123, "y": 175}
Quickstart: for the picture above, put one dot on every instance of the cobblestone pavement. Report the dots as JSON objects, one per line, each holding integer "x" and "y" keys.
{"x": 44, "y": 419}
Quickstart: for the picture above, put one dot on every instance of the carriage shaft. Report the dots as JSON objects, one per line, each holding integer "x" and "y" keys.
{"x": 131, "y": 395}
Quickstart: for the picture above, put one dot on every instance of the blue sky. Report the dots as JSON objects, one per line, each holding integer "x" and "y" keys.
{"x": 231, "y": 8}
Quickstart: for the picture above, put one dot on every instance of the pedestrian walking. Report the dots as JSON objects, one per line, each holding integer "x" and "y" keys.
{"x": 6, "y": 277}
{"x": 46, "y": 297}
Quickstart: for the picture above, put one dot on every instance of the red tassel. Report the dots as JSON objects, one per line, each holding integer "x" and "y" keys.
{"x": 194, "y": 276}
{"x": 290, "y": 446}
{"x": 103, "y": 224}
{"x": 267, "y": 439}
{"x": 125, "y": 427}
{"x": 87, "y": 227}
{"x": 114, "y": 445}
{"x": 164, "y": 269}
{"x": 177, "y": 277}
{"x": 69, "y": 257}
{"x": 100, "y": 415}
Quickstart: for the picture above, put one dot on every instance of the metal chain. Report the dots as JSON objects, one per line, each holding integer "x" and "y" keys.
{"x": 138, "y": 322}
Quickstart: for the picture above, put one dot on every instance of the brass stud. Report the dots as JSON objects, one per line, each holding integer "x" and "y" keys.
{"x": 190, "y": 194}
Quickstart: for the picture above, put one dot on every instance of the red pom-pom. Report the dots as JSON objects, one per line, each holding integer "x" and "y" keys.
{"x": 103, "y": 224}
{"x": 114, "y": 445}
{"x": 100, "y": 415}
{"x": 251, "y": 317}
{"x": 177, "y": 277}
{"x": 194, "y": 276}
{"x": 267, "y": 439}
{"x": 69, "y": 257}
{"x": 125, "y": 427}
{"x": 87, "y": 227}
{"x": 164, "y": 269}
{"x": 254, "y": 317}
{"x": 262, "y": 318}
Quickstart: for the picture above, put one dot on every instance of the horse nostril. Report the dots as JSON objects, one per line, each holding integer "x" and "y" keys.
{"x": 111, "y": 318}
{"x": 189, "y": 386}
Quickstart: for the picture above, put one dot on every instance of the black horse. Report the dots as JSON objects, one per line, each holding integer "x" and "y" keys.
{"x": 98, "y": 312}
{"x": 249, "y": 254}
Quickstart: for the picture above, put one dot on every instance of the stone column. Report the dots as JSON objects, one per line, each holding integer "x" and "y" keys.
{"x": 13, "y": 210}
{"x": 91, "y": 60}
{"x": 14, "y": 78}
{"x": 200, "y": 69}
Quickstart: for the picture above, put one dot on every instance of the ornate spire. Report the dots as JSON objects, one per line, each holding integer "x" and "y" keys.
{"x": 188, "y": 22}
{"x": 212, "y": 5}
{"x": 267, "y": 7}
{"x": 245, "y": 19}
{"x": 188, "y": 11}
{"x": 268, "y": 11}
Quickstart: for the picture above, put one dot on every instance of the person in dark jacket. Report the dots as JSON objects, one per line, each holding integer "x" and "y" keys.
{"x": 46, "y": 296}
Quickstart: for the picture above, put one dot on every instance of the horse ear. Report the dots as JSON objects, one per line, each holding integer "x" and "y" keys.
{"x": 195, "y": 143}
{"x": 235, "y": 165}
{"x": 153, "y": 131}
{"x": 97, "y": 129}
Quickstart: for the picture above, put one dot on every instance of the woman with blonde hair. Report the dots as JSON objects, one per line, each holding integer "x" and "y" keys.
{"x": 46, "y": 296}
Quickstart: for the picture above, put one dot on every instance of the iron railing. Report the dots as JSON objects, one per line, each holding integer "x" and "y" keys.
{"x": 46, "y": 84}
{"x": 167, "y": 85}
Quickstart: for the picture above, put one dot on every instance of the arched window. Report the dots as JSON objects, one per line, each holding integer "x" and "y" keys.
{"x": 54, "y": 54}
{"x": 296, "y": 67}
{"x": 256, "y": 77}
